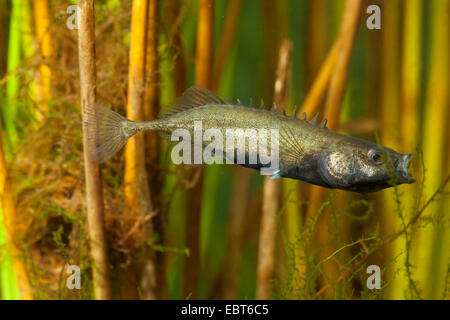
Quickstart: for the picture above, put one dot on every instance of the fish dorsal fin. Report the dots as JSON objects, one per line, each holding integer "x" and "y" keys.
{"x": 193, "y": 97}
{"x": 296, "y": 111}
{"x": 314, "y": 120}
{"x": 227, "y": 100}
{"x": 262, "y": 106}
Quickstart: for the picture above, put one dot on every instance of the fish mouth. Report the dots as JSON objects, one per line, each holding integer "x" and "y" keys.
{"x": 405, "y": 176}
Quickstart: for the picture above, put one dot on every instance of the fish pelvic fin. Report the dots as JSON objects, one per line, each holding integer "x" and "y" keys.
{"x": 276, "y": 174}
{"x": 193, "y": 97}
{"x": 107, "y": 132}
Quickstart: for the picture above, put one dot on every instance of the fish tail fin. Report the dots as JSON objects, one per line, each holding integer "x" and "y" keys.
{"x": 107, "y": 133}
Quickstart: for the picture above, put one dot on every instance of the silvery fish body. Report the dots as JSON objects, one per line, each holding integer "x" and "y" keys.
{"x": 306, "y": 151}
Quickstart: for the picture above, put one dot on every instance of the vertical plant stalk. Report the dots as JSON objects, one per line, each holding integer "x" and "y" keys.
{"x": 179, "y": 70}
{"x": 272, "y": 190}
{"x": 338, "y": 80}
{"x": 410, "y": 93}
{"x": 203, "y": 77}
{"x": 9, "y": 289}
{"x": 94, "y": 195}
{"x": 3, "y": 38}
{"x": 151, "y": 110}
{"x": 235, "y": 233}
{"x": 205, "y": 44}
{"x": 316, "y": 40}
{"x": 12, "y": 85}
{"x": 42, "y": 23}
{"x": 411, "y": 72}
{"x": 27, "y": 38}
{"x": 137, "y": 192}
{"x": 293, "y": 224}
{"x": 13, "y": 274}
{"x": 339, "y": 77}
{"x": 226, "y": 40}
{"x": 273, "y": 15}
{"x": 29, "y": 49}
{"x": 433, "y": 246}
{"x": 390, "y": 119}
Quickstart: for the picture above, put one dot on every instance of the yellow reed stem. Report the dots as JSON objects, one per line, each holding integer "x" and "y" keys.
{"x": 433, "y": 249}
{"x": 226, "y": 40}
{"x": 410, "y": 93}
{"x": 316, "y": 39}
{"x": 205, "y": 44}
{"x": 43, "y": 35}
{"x": 316, "y": 93}
{"x": 137, "y": 192}
{"x": 8, "y": 213}
{"x": 390, "y": 133}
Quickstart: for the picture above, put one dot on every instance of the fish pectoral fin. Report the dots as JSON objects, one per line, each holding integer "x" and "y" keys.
{"x": 289, "y": 146}
{"x": 275, "y": 175}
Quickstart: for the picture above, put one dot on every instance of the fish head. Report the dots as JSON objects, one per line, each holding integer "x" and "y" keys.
{"x": 363, "y": 166}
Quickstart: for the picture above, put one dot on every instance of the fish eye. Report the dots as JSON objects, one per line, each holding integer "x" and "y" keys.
{"x": 375, "y": 156}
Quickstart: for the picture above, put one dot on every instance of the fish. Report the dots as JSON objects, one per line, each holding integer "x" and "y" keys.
{"x": 307, "y": 151}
